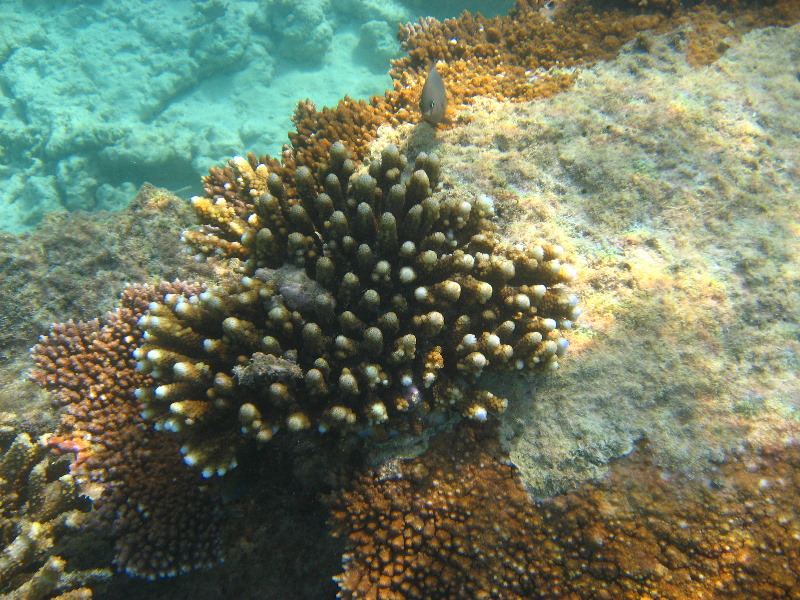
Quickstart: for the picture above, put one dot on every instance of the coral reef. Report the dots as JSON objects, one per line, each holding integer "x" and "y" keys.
{"x": 457, "y": 523}
{"x": 277, "y": 544}
{"x": 300, "y": 32}
{"x": 344, "y": 311}
{"x": 75, "y": 265}
{"x": 533, "y": 52}
{"x": 41, "y": 517}
{"x": 353, "y": 122}
{"x": 524, "y": 55}
{"x": 79, "y": 150}
{"x": 69, "y": 143}
{"x": 163, "y": 517}
{"x": 646, "y": 530}
{"x": 371, "y": 307}
{"x": 377, "y": 44}
{"x": 679, "y": 203}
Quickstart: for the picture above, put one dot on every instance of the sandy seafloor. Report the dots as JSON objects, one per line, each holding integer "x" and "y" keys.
{"x": 676, "y": 193}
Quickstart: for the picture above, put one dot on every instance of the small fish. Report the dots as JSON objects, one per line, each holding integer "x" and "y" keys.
{"x": 433, "y": 100}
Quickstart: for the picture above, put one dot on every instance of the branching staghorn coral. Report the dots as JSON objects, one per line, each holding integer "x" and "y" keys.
{"x": 369, "y": 303}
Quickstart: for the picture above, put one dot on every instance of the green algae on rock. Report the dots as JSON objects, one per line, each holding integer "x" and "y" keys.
{"x": 370, "y": 308}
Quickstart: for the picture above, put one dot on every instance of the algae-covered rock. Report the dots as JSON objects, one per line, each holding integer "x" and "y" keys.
{"x": 677, "y": 187}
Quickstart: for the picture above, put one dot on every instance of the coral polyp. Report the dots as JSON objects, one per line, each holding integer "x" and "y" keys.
{"x": 370, "y": 302}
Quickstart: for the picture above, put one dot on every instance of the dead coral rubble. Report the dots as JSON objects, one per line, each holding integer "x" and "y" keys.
{"x": 372, "y": 307}
{"x": 163, "y": 518}
{"x": 75, "y": 264}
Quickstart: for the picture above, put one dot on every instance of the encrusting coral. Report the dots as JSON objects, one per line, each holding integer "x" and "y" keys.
{"x": 422, "y": 528}
{"x": 370, "y": 303}
{"x": 39, "y": 509}
{"x": 457, "y": 523}
{"x": 162, "y": 516}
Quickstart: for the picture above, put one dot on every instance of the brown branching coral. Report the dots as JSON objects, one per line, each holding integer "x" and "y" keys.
{"x": 456, "y": 523}
{"x": 521, "y": 56}
{"x": 535, "y": 52}
{"x": 353, "y": 122}
{"x": 163, "y": 518}
{"x": 39, "y": 509}
{"x": 536, "y": 38}
{"x": 372, "y": 307}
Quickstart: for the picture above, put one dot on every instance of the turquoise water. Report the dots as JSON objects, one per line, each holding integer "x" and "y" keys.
{"x": 97, "y": 98}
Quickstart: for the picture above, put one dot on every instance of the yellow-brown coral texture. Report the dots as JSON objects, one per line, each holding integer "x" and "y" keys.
{"x": 533, "y": 52}
{"x": 521, "y": 56}
{"x": 39, "y": 510}
{"x": 456, "y": 523}
{"x": 451, "y": 524}
{"x": 162, "y": 518}
{"x": 353, "y": 122}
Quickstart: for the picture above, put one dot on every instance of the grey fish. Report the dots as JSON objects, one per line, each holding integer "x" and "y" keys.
{"x": 433, "y": 100}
